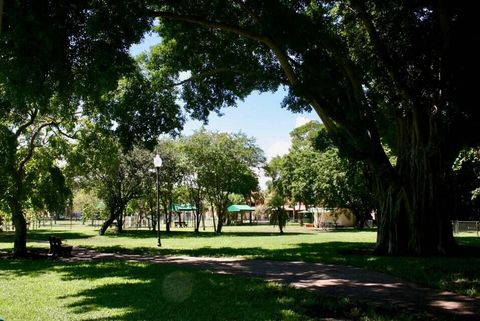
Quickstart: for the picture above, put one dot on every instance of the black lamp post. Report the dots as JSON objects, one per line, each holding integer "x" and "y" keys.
{"x": 157, "y": 161}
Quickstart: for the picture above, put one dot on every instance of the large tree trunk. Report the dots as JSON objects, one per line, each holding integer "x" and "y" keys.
{"x": 415, "y": 206}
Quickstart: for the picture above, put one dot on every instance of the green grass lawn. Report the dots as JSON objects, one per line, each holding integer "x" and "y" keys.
{"x": 458, "y": 273}
{"x": 117, "y": 290}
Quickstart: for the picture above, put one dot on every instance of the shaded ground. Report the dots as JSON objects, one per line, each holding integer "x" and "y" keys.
{"x": 359, "y": 284}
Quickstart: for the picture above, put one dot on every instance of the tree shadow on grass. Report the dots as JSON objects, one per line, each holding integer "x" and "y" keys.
{"x": 120, "y": 290}
{"x": 62, "y": 234}
{"x": 42, "y": 235}
{"x": 189, "y": 234}
{"x": 159, "y": 292}
{"x": 458, "y": 273}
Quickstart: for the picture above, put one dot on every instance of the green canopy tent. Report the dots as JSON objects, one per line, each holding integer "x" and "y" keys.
{"x": 240, "y": 209}
{"x": 182, "y": 208}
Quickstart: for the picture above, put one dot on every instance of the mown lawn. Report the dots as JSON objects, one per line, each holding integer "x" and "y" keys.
{"x": 458, "y": 273}
{"x": 117, "y": 290}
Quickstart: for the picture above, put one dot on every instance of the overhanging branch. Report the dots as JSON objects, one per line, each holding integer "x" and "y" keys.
{"x": 214, "y": 72}
{"x": 380, "y": 49}
{"x": 277, "y": 50}
{"x": 32, "y": 146}
{"x": 27, "y": 124}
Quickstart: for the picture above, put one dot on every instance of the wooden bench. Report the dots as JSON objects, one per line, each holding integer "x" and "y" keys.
{"x": 57, "y": 248}
{"x": 180, "y": 224}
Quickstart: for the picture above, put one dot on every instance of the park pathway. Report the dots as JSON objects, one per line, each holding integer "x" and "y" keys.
{"x": 357, "y": 283}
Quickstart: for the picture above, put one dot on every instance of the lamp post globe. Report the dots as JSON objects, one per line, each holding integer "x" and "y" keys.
{"x": 157, "y": 162}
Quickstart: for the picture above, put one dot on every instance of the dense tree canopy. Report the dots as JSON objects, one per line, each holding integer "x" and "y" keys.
{"x": 116, "y": 176}
{"x": 376, "y": 72}
{"x": 316, "y": 174}
{"x": 223, "y": 162}
{"x": 62, "y": 61}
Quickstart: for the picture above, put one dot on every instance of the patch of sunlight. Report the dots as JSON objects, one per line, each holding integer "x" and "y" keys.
{"x": 286, "y": 300}
{"x": 472, "y": 292}
{"x": 461, "y": 280}
{"x": 339, "y": 259}
{"x": 372, "y": 259}
{"x": 290, "y": 315}
{"x": 103, "y": 313}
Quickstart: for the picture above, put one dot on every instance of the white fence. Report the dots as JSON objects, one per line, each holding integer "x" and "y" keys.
{"x": 466, "y": 226}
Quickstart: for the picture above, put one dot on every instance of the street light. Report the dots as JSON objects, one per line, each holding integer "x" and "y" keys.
{"x": 157, "y": 161}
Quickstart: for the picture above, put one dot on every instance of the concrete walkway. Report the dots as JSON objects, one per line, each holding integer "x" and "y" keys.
{"x": 359, "y": 284}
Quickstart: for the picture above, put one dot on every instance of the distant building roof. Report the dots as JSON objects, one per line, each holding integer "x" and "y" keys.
{"x": 239, "y": 208}
{"x": 183, "y": 207}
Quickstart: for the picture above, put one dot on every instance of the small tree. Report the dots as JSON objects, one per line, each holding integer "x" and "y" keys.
{"x": 278, "y": 214}
{"x": 220, "y": 162}
{"x": 116, "y": 176}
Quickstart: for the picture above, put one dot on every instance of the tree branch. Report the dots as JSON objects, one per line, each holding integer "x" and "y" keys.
{"x": 31, "y": 147}
{"x": 212, "y": 73}
{"x": 278, "y": 51}
{"x": 380, "y": 49}
{"x": 61, "y": 132}
{"x": 24, "y": 126}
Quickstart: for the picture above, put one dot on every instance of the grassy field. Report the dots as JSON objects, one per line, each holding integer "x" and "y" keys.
{"x": 457, "y": 273}
{"x": 117, "y": 290}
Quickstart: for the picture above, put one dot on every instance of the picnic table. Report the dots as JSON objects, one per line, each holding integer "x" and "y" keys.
{"x": 180, "y": 224}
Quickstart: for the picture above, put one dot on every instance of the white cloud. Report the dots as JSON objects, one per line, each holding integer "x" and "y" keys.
{"x": 300, "y": 121}
{"x": 277, "y": 149}
{"x": 262, "y": 178}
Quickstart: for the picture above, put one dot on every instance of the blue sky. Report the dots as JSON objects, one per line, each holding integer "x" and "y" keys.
{"x": 259, "y": 116}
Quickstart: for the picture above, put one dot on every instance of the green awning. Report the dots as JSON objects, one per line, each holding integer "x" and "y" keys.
{"x": 240, "y": 208}
{"x": 183, "y": 207}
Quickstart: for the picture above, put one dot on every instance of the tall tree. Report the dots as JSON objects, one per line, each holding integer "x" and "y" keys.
{"x": 223, "y": 161}
{"x": 61, "y": 59}
{"x": 332, "y": 180}
{"x": 117, "y": 176}
{"x": 372, "y": 70}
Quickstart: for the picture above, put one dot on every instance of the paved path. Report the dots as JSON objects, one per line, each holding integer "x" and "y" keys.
{"x": 357, "y": 283}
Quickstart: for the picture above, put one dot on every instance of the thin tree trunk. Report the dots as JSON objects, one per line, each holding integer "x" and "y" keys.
{"x": 152, "y": 222}
{"x": 219, "y": 224}
{"x": 120, "y": 222}
{"x": 114, "y": 215}
{"x": 106, "y": 225}
{"x": 213, "y": 217}
{"x": 18, "y": 217}
{"x": 20, "y": 224}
